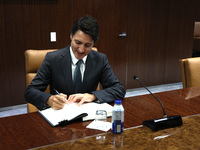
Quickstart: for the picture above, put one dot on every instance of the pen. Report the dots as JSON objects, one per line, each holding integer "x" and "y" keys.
{"x": 58, "y": 93}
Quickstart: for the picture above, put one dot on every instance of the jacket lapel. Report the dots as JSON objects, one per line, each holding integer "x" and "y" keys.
{"x": 90, "y": 65}
{"x": 66, "y": 68}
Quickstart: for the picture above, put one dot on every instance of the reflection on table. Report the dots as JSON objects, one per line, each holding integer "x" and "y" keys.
{"x": 184, "y": 137}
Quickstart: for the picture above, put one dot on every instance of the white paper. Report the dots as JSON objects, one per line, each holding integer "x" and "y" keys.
{"x": 100, "y": 125}
{"x": 72, "y": 110}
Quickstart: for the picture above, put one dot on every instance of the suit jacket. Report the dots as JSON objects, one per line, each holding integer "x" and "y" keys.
{"x": 56, "y": 71}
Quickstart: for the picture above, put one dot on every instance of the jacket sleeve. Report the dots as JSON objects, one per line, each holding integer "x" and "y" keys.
{"x": 112, "y": 87}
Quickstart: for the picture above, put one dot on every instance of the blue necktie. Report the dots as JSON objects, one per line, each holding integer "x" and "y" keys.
{"x": 77, "y": 76}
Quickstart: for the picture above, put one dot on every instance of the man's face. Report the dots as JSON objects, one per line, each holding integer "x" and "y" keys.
{"x": 81, "y": 44}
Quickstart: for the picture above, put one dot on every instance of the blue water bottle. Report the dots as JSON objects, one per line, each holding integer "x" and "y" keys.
{"x": 118, "y": 117}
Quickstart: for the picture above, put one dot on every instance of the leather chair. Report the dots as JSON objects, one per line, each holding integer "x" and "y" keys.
{"x": 190, "y": 70}
{"x": 33, "y": 60}
{"x": 196, "y": 39}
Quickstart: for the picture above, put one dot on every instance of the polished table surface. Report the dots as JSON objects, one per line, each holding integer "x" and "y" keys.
{"x": 186, "y": 136}
{"x": 31, "y": 130}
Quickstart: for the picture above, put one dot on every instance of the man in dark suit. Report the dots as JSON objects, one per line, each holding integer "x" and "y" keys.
{"x": 59, "y": 70}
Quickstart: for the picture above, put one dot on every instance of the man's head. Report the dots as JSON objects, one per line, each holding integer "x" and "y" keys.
{"x": 84, "y": 34}
{"x": 88, "y": 25}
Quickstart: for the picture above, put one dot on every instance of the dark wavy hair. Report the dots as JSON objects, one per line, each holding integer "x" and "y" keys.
{"x": 88, "y": 25}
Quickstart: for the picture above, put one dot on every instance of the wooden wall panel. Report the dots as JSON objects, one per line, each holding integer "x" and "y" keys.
{"x": 43, "y": 17}
{"x": 11, "y": 58}
{"x": 26, "y": 24}
{"x": 159, "y": 33}
{"x": 179, "y": 38}
{"x": 147, "y": 41}
{"x": 195, "y": 4}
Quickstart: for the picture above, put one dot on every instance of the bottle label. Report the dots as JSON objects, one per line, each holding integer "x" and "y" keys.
{"x": 117, "y": 126}
{"x": 118, "y": 115}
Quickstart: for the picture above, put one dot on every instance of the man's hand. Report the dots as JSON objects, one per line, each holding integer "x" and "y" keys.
{"x": 57, "y": 101}
{"x": 81, "y": 98}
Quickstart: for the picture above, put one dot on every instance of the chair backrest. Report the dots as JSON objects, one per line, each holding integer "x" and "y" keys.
{"x": 196, "y": 39}
{"x": 190, "y": 70}
{"x": 197, "y": 29}
{"x": 33, "y": 60}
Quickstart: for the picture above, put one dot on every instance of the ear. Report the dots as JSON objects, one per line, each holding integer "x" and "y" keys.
{"x": 71, "y": 36}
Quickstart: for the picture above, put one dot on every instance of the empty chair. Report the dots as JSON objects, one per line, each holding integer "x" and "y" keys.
{"x": 190, "y": 70}
{"x": 196, "y": 40}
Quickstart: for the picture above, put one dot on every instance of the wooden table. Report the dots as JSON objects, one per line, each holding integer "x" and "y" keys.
{"x": 139, "y": 138}
{"x": 31, "y": 130}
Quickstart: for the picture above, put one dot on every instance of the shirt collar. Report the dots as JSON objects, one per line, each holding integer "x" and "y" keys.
{"x": 74, "y": 59}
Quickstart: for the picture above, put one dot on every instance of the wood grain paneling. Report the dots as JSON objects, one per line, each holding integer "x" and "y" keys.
{"x": 159, "y": 33}
{"x": 27, "y": 24}
{"x": 195, "y": 9}
{"x": 43, "y": 17}
{"x": 12, "y": 62}
{"x": 179, "y": 38}
{"x": 146, "y": 41}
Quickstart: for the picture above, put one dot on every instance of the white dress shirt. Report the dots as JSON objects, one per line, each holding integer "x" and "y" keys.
{"x": 74, "y": 61}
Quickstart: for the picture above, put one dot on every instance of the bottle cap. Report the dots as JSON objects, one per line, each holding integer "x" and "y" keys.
{"x": 118, "y": 101}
